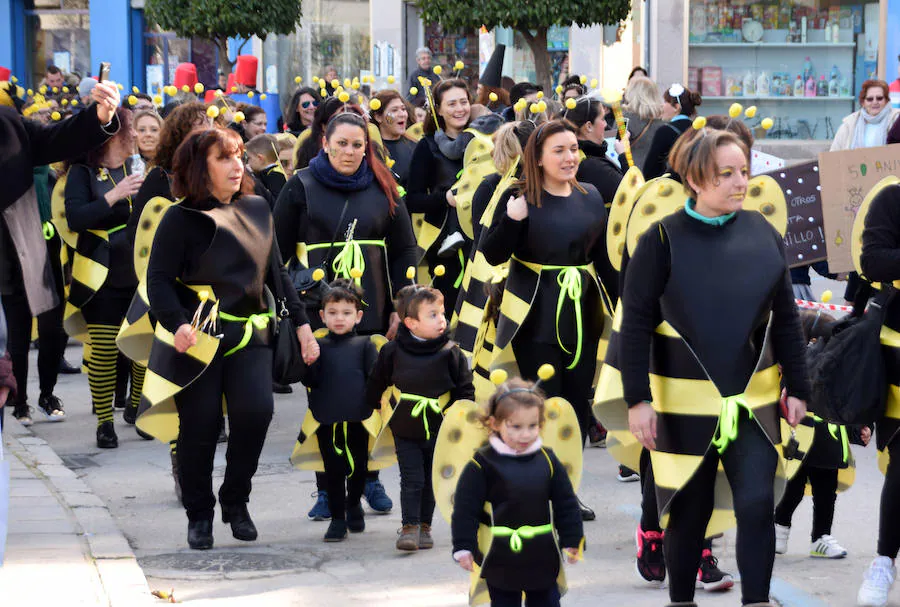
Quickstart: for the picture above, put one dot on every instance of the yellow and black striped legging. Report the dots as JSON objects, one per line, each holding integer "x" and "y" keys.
{"x": 102, "y": 371}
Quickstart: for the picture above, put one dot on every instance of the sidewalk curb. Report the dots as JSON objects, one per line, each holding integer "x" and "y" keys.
{"x": 122, "y": 579}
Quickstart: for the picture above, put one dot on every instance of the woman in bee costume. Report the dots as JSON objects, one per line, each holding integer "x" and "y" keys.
{"x": 705, "y": 390}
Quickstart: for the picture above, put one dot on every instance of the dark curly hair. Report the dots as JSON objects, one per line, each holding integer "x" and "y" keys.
{"x": 176, "y": 127}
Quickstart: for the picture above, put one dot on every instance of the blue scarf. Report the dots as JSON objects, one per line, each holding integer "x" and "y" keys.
{"x": 327, "y": 175}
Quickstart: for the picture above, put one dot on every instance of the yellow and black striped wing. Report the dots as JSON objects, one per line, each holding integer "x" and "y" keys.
{"x": 150, "y": 219}
{"x": 90, "y": 267}
{"x": 58, "y": 213}
{"x": 135, "y": 338}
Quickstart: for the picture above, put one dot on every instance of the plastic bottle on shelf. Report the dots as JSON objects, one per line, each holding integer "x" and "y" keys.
{"x": 836, "y": 32}
{"x": 807, "y": 69}
{"x": 798, "y": 86}
{"x": 762, "y": 85}
{"x": 810, "y": 90}
{"x": 821, "y": 87}
{"x": 828, "y": 32}
{"x": 834, "y": 86}
{"x": 749, "y": 84}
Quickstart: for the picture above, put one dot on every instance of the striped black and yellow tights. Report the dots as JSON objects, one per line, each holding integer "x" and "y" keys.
{"x": 102, "y": 371}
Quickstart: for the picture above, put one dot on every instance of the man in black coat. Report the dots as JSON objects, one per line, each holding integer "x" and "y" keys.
{"x": 423, "y": 69}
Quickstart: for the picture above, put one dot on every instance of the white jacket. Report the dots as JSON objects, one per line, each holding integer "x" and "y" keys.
{"x": 844, "y": 136}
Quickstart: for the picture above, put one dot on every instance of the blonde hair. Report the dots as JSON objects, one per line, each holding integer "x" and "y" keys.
{"x": 506, "y": 147}
{"x": 642, "y": 97}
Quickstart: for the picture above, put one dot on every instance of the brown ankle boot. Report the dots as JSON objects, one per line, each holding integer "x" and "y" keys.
{"x": 425, "y": 539}
{"x": 409, "y": 538}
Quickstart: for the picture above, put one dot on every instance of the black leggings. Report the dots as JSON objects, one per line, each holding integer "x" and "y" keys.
{"x": 533, "y": 598}
{"x": 344, "y": 489}
{"x": 415, "y": 458}
{"x": 573, "y": 385}
{"x": 824, "y": 492}
{"x": 750, "y": 462}
{"x": 888, "y": 525}
{"x": 244, "y": 379}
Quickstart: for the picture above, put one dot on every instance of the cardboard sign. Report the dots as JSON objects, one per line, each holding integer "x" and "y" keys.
{"x": 846, "y": 178}
{"x": 760, "y": 162}
{"x": 805, "y": 239}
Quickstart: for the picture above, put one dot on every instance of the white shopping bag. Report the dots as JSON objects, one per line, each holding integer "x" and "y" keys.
{"x": 4, "y": 501}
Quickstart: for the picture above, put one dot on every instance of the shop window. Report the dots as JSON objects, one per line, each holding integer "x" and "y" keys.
{"x": 449, "y": 47}
{"x": 163, "y": 51}
{"x": 800, "y": 62}
{"x": 57, "y": 32}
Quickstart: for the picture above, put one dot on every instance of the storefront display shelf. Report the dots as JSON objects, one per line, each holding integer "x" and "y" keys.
{"x": 779, "y": 98}
{"x": 771, "y": 45}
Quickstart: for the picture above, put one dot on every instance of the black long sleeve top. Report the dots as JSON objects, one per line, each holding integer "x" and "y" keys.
{"x": 880, "y": 258}
{"x": 599, "y": 171}
{"x": 423, "y": 194}
{"x": 663, "y": 140}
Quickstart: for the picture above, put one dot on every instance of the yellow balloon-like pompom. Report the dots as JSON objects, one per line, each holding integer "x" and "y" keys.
{"x": 344, "y": 97}
{"x": 13, "y": 79}
{"x": 375, "y": 105}
{"x": 391, "y": 80}
{"x": 735, "y": 110}
{"x": 826, "y": 296}
{"x": 411, "y": 272}
{"x": 355, "y": 273}
{"x": 458, "y": 66}
{"x": 583, "y": 79}
{"x": 346, "y": 83}
{"x": 64, "y": 102}
{"x": 540, "y": 95}
{"x": 65, "y": 89}
{"x": 318, "y": 274}
{"x": 699, "y": 123}
{"x": 542, "y": 106}
{"x": 74, "y": 102}
{"x": 315, "y": 80}
{"x": 234, "y": 89}
{"x": 250, "y": 94}
{"x": 43, "y": 89}
{"x": 56, "y": 115}
{"x": 55, "y": 89}
{"x": 132, "y": 100}
{"x": 493, "y": 97}
{"x": 571, "y": 103}
{"x": 440, "y": 270}
{"x": 533, "y": 108}
{"x": 413, "y": 91}
{"x": 520, "y": 105}
{"x": 30, "y": 92}
{"x": 437, "y": 70}
{"x": 323, "y": 93}
{"x": 499, "y": 376}
{"x": 262, "y": 96}
{"x": 355, "y": 86}
{"x": 135, "y": 89}
{"x": 203, "y": 295}
{"x": 212, "y": 111}
{"x": 298, "y": 79}
{"x": 594, "y": 83}
{"x": 546, "y": 371}
{"x": 361, "y": 100}
{"x": 767, "y": 123}
{"x": 219, "y": 93}
{"x": 199, "y": 88}
{"x": 559, "y": 90}
{"x": 120, "y": 87}
{"x": 186, "y": 88}
{"x": 157, "y": 99}
{"x": 238, "y": 117}
{"x": 750, "y": 112}
{"x": 335, "y": 83}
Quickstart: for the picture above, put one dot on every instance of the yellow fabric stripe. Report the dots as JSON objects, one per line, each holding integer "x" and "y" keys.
{"x": 700, "y": 397}
{"x": 470, "y": 315}
{"x": 892, "y": 409}
{"x": 88, "y": 272}
{"x": 889, "y": 337}
{"x": 673, "y": 470}
{"x": 514, "y": 307}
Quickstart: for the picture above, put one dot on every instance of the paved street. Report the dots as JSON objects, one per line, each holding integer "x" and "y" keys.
{"x": 290, "y": 565}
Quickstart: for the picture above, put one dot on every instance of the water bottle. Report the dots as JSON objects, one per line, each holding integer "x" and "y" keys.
{"x": 137, "y": 165}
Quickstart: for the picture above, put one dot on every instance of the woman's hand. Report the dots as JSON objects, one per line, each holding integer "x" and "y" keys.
{"x": 571, "y": 555}
{"x": 185, "y": 338}
{"x": 467, "y": 562}
{"x": 642, "y": 423}
{"x": 309, "y": 347}
{"x": 451, "y": 199}
{"x": 865, "y": 435}
{"x": 517, "y": 208}
{"x": 620, "y": 143}
{"x": 796, "y": 410}
{"x": 125, "y": 188}
{"x": 393, "y": 326}
{"x": 106, "y": 94}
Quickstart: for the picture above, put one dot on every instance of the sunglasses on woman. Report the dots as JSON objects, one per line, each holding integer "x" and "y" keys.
{"x": 305, "y": 104}
{"x": 871, "y": 99}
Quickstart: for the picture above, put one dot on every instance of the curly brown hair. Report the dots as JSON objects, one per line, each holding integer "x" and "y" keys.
{"x": 176, "y": 127}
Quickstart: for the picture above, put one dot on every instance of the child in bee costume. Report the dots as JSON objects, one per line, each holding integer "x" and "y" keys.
{"x": 519, "y": 485}
{"x": 426, "y": 372}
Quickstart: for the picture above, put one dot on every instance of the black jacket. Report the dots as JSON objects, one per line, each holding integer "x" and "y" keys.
{"x": 663, "y": 139}
{"x": 428, "y": 368}
{"x": 598, "y": 170}
{"x": 337, "y": 380}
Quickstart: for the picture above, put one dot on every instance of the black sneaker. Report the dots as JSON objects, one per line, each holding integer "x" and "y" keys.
{"x": 52, "y": 408}
{"x": 106, "y": 436}
{"x": 22, "y": 413}
{"x": 586, "y": 513}
{"x": 451, "y": 244}
{"x": 281, "y": 388}
{"x": 67, "y": 369}
{"x": 597, "y": 435}
{"x": 650, "y": 562}
{"x": 337, "y": 531}
{"x": 356, "y": 519}
{"x": 709, "y": 577}
{"x": 627, "y": 475}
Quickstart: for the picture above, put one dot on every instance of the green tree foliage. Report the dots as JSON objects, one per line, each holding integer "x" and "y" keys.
{"x": 529, "y": 18}
{"x": 218, "y": 20}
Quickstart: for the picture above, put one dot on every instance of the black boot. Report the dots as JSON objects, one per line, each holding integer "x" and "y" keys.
{"x": 242, "y": 527}
{"x": 130, "y": 413}
{"x": 282, "y": 388}
{"x": 337, "y": 531}
{"x": 586, "y": 513}
{"x": 356, "y": 519}
{"x": 106, "y": 436}
{"x": 200, "y": 534}
{"x": 66, "y": 369}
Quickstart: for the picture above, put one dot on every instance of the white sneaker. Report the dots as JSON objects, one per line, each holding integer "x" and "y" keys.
{"x": 877, "y": 583}
{"x": 826, "y": 547}
{"x": 782, "y": 534}
{"x": 451, "y": 244}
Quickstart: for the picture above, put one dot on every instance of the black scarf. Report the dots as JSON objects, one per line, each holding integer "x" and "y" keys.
{"x": 327, "y": 175}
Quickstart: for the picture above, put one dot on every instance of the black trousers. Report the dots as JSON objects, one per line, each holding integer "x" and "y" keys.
{"x": 344, "y": 486}
{"x": 749, "y": 462}
{"x": 574, "y": 385}
{"x": 888, "y": 525}
{"x": 415, "y": 458}
{"x": 533, "y": 598}
{"x": 244, "y": 379}
{"x": 824, "y": 484}
{"x": 50, "y": 330}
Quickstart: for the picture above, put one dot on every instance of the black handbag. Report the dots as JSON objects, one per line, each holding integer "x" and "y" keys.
{"x": 309, "y": 290}
{"x": 287, "y": 361}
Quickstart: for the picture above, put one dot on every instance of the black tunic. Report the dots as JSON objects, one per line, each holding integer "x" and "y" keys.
{"x": 428, "y": 368}
{"x": 273, "y": 180}
{"x": 337, "y": 380}
{"x": 308, "y": 211}
{"x": 400, "y": 151}
{"x": 521, "y": 490}
{"x": 598, "y": 170}
{"x": 480, "y": 200}
{"x": 663, "y": 139}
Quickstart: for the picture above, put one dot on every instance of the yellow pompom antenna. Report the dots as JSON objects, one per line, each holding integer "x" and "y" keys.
{"x": 413, "y": 91}
{"x": 735, "y": 110}
{"x": 440, "y": 270}
{"x": 375, "y": 105}
{"x": 298, "y": 79}
{"x": 750, "y": 112}
{"x": 65, "y": 89}
{"x": 43, "y": 89}
{"x": 499, "y": 377}
{"x": 344, "y": 96}
{"x": 212, "y": 111}
{"x": 64, "y": 102}
{"x": 335, "y": 83}
{"x": 318, "y": 274}
{"x": 74, "y": 102}
{"x": 157, "y": 99}
{"x": 582, "y": 79}
{"x": 571, "y": 104}
{"x": 30, "y": 92}
{"x": 437, "y": 70}
{"x": 135, "y": 90}
{"x": 355, "y": 86}
{"x": 594, "y": 83}
{"x": 355, "y": 273}
{"x": 198, "y": 88}
{"x": 219, "y": 93}
{"x": 540, "y": 95}
{"x": 250, "y": 94}
{"x": 411, "y": 272}
{"x": 533, "y": 108}
{"x": 826, "y": 296}
{"x": 56, "y": 116}
{"x": 55, "y": 89}
{"x": 546, "y": 371}
{"x": 203, "y": 295}
{"x": 13, "y": 79}
{"x": 119, "y": 86}
{"x": 238, "y": 117}
{"x": 767, "y": 123}
{"x": 520, "y": 105}
{"x": 542, "y": 106}
{"x": 262, "y": 96}
{"x": 493, "y": 97}
{"x": 391, "y": 80}
{"x": 699, "y": 123}
{"x": 186, "y": 88}
{"x": 132, "y": 100}
{"x": 323, "y": 93}
{"x": 459, "y": 66}
{"x": 559, "y": 89}
{"x": 347, "y": 83}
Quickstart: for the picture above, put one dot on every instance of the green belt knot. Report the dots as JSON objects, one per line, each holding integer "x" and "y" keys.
{"x": 525, "y": 532}
{"x": 48, "y": 229}
{"x": 348, "y": 259}
{"x": 420, "y": 409}
{"x": 834, "y": 430}
{"x": 259, "y": 321}
{"x": 571, "y": 288}
{"x": 727, "y": 430}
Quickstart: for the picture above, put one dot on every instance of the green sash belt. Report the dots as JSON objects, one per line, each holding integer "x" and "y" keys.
{"x": 49, "y": 230}
{"x": 525, "y": 532}
{"x": 259, "y": 321}
{"x": 350, "y": 257}
{"x": 727, "y": 430}
{"x": 570, "y": 287}
{"x": 346, "y": 449}
{"x": 421, "y": 407}
{"x": 834, "y": 430}
{"x": 116, "y": 229}
{"x": 462, "y": 269}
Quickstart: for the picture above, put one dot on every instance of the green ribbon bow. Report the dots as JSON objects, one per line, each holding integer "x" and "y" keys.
{"x": 421, "y": 407}
{"x": 727, "y": 430}
{"x": 259, "y": 321}
{"x": 49, "y": 230}
{"x": 349, "y": 258}
{"x": 834, "y": 430}
{"x": 517, "y": 535}
{"x": 570, "y": 287}
{"x": 346, "y": 449}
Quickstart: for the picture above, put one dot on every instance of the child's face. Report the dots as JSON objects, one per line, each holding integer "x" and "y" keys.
{"x": 340, "y": 316}
{"x": 520, "y": 429}
{"x": 431, "y": 322}
{"x": 257, "y": 162}
{"x": 286, "y": 157}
